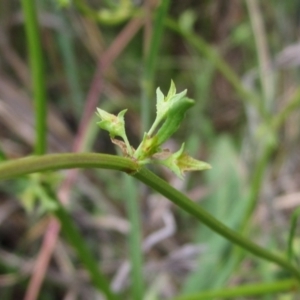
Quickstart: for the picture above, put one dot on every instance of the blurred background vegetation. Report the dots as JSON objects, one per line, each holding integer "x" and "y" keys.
{"x": 238, "y": 59}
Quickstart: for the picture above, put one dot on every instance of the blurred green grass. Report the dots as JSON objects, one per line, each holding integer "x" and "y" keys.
{"x": 208, "y": 47}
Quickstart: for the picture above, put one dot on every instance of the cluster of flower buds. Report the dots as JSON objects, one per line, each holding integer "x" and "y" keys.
{"x": 170, "y": 111}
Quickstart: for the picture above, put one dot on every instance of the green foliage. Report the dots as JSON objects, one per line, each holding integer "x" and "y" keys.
{"x": 243, "y": 121}
{"x": 170, "y": 111}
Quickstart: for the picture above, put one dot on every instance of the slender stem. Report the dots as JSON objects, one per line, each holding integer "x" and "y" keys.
{"x": 139, "y": 150}
{"x": 33, "y": 164}
{"x": 128, "y": 146}
{"x": 244, "y": 291}
{"x": 135, "y": 249}
{"x": 28, "y": 165}
{"x": 192, "y": 208}
{"x": 154, "y": 126}
{"x": 38, "y": 78}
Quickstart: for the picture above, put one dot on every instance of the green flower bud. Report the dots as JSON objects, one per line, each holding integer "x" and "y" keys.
{"x": 164, "y": 104}
{"x": 180, "y": 162}
{"x": 172, "y": 109}
{"x": 115, "y": 125}
{"x": 175, "y": 116}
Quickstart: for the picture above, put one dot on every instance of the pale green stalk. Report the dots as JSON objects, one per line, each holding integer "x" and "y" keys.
{"x": 24, "y": 166}
{"x": 38, "y": 76}
{"x": 135, "y": 239}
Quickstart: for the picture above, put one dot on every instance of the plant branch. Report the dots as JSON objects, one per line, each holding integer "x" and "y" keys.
{"x": 18, "y": 167}
{"x": 192, "y": 208}
{"x": 134, "y": 238}
{"x": 51, "y": 162}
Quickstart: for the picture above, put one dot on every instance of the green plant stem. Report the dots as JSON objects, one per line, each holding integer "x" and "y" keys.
{"x": 24, "y": 166}
{"x": 192, "y": 208}
{"x": 38, "y": 77}
{"x": 128, "y": 146}
{"x": 51, "y": 162}
{"x": 154, "y": 126}
{"x": 136, "y": 256}
{"x": 245, "y": 291}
